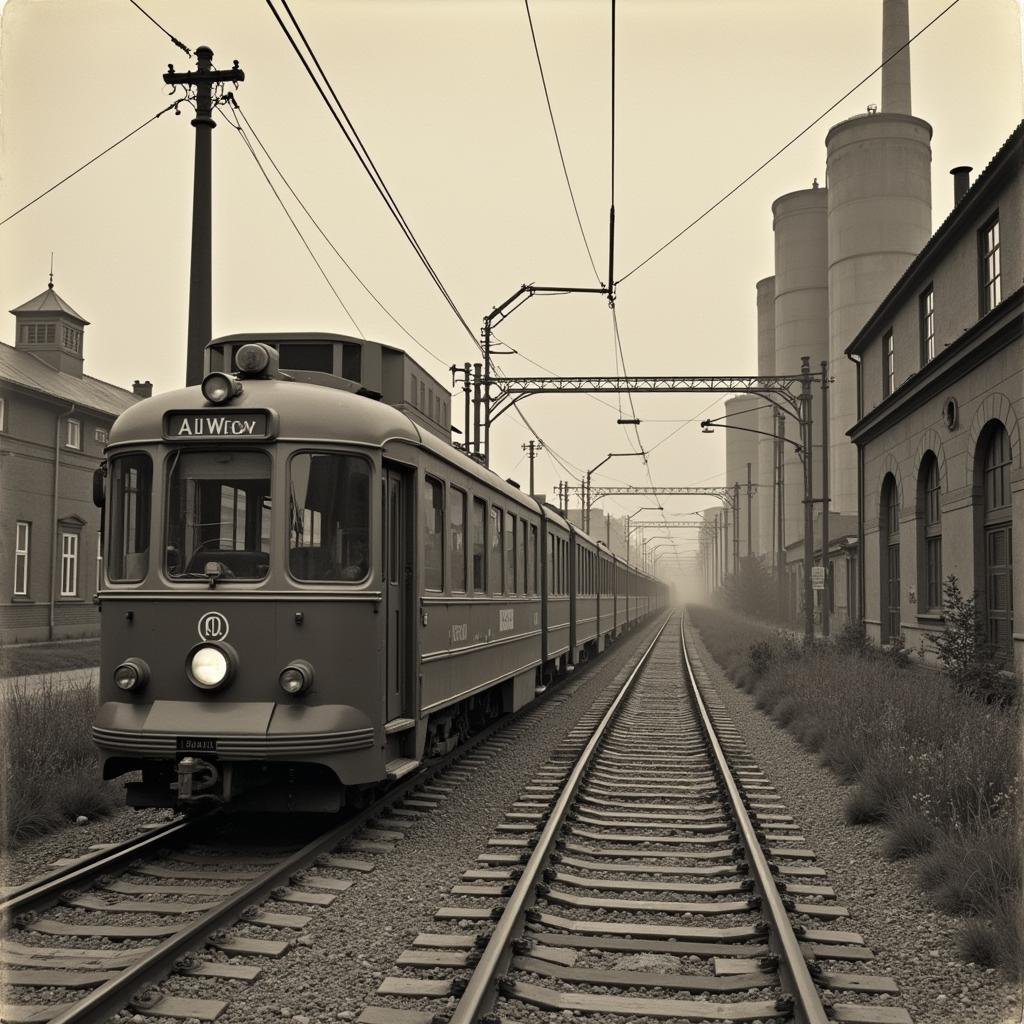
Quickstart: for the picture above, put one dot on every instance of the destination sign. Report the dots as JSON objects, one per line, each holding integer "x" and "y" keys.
{"x": 234, "y": 425}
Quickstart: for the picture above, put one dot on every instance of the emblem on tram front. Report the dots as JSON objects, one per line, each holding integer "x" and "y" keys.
{"x": 213, "y": 626}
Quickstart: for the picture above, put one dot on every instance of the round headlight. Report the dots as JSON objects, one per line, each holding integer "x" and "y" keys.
{"x": 218, "y": 387}
{"x": 131, "y": 674}
{"x": 252, "y": 358}
{"x": 297, "y": 677}
{"x": 210, "y": 666}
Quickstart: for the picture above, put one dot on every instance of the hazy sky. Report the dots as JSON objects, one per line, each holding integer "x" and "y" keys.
{"x": 447, "y": 98}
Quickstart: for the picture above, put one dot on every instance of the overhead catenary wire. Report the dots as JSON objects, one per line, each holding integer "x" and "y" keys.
{"x": 88, "y": 163}
{"x": 174, "y": 39}
{"x": 782, "y": 149}
{"x": 558, "y": 143}
{"x": 344, "y": 122}
{"x": 291, "y": 220}
{"x": 326, "y": 238}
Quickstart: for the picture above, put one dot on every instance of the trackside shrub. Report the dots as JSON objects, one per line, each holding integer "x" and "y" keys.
{"x": 50, "y": 769}
{"x": 938, "y": 767}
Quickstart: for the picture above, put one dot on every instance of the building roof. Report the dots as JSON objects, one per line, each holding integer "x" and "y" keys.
{"x": 27, "y": 371}
{"x": 949, "y": 229}
{"x": 49, "y": 302}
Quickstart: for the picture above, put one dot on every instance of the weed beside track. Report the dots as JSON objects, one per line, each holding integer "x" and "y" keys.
{"x": 937, "y": 767}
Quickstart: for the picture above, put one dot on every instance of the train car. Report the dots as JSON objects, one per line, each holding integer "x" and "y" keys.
{"x": 306, "y": 593}
{"x": 583, "y": 556}
{"x": 605, "y": 585}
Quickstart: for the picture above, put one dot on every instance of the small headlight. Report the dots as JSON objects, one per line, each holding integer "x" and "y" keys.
{"x": 210, "y": 666}
{"x": 131, "y": 674}
{"x": 297, "y": 677}
{"x": 253, "y": 358}
{"x": 218, "y": 387}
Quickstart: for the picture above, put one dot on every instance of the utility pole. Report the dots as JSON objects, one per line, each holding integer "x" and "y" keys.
{"x": 200, "y": 286}
{"x": 780, "y": 519}
{"x": 750, "y": 512}
{"x": 736, "y": 529}
{"x": 826, "y": 498}
{"x": 807, "y": 440}
{"x": 531, "y": 448}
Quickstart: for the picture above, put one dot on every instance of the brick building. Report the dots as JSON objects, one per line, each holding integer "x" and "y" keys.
{"x": 940, "y": 428}
{"x": 54, "y": 421}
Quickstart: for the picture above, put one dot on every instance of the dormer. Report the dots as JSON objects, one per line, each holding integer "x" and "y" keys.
{"x": 50, "y": 329}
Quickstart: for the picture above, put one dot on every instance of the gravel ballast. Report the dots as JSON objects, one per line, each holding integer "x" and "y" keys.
{"x": 913, "y": 942}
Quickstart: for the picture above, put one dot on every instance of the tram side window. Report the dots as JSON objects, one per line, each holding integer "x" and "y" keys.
{"x": 479, "y": 545}
{"x": 329, "y": 517}
{"x": 511, "y": 533}
{"x": 433, "y": 534}
{"x": 131, "y": 490}
{"x": 524, "y": 557}
{"x": 457, "y": 539}
{"x": 497, "y": 542}
{"x": 534, "y": 556}
{"x": 218, "y": 515}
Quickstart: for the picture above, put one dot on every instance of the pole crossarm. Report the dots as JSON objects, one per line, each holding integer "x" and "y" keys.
{"x": 508, "y": 391}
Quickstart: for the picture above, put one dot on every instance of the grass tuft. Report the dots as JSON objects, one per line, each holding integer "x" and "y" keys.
{"x": 50, "y": 772}
{"x": 862, "y": 808}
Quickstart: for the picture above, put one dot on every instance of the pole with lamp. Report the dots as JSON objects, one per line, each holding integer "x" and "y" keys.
{"x": 590, "y": 473}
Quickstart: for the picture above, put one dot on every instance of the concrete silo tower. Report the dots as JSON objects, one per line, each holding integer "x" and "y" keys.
{"x": 800, "y": 220}
{"x": 879, "y": 218}
{"x": 741, "y": 449}
{"x": 765, "y": 544}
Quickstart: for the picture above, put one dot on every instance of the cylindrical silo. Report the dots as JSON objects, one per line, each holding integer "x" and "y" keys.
{"x": 765, "y": 543}
{"x": 801, "y": 322}
{"x": 741, "y": 449}
{"x": 879, "y": 218}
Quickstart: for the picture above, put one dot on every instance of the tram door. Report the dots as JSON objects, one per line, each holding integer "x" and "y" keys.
{"x": 397, "y": 563}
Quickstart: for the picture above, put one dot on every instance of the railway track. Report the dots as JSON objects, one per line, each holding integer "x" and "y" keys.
{"x": 648, "y": 871}
{"x": 199, "y": 898}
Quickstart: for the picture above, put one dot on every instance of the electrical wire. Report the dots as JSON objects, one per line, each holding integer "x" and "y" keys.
{"x": 348, "y": 130}
{"x": 333, "y": 247}
{"x": 124, "y": 138}
{"x": 757, "y": 170}
{"x": 291, "y": 220}
{"x": 177, "y": 42}
{"x": 558, "y": 143}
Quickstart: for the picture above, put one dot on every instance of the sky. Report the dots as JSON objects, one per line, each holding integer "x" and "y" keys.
{"x": 448, "y": 100}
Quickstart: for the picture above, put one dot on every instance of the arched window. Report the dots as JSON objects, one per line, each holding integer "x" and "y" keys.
{"x": 889, "y": 545}
{"x": 995, "y": 459}
{"x": 929, "y": 519}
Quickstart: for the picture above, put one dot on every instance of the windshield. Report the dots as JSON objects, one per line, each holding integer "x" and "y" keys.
{"x": 329, "y": 517}
{"x": 218, "y": 515}
{"x": 131, "y": 488}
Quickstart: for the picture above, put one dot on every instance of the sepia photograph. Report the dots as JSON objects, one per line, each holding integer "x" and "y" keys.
{"x": 509, "y": 511}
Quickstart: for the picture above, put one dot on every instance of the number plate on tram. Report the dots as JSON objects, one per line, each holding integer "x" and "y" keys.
{"x": 236, "y": 425}
{"x": 197, "y": 745}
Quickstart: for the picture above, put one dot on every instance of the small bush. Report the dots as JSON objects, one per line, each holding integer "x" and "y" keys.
{"x": 909, "y": 832}
{"x": 862, "y": 807}
{"x": 50, "y": 769}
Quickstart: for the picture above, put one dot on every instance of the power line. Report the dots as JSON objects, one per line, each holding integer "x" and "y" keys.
{"x": 558, "y": 143}
{"x": 783, "y": 149}
{"x": 325, "y": 237}
{"x": 125, "y": 138}
{"x": 362, "y": 154}
{"x": 177, "y": 42}
{"x": 291, "y": 220}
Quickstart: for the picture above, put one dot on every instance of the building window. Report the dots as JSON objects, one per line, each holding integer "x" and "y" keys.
{"x": 68, "y": 564}
{"x": 930, "y": 518}
{"x": 413, "y": 384}
{"x": 457, "y": 539}
{"x": 38, "y": 334}
{"x": 996, "y": 460}
{"x": 889, "y": 544}
{"x": 101, "y": 435}
{"x": 988, "y": 265}
{"x": 433, "y": 537}
{"x": 22, "y": 538}
{"x": 423, "y": 397}
{"x": 73, "y": 434}
{"x": 927, "y": 307}
{"x": 888, "y": 365}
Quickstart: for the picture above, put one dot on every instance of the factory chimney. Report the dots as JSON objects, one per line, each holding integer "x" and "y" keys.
{"x": 961, "y": 182}
{"x": 896, "y": 72}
